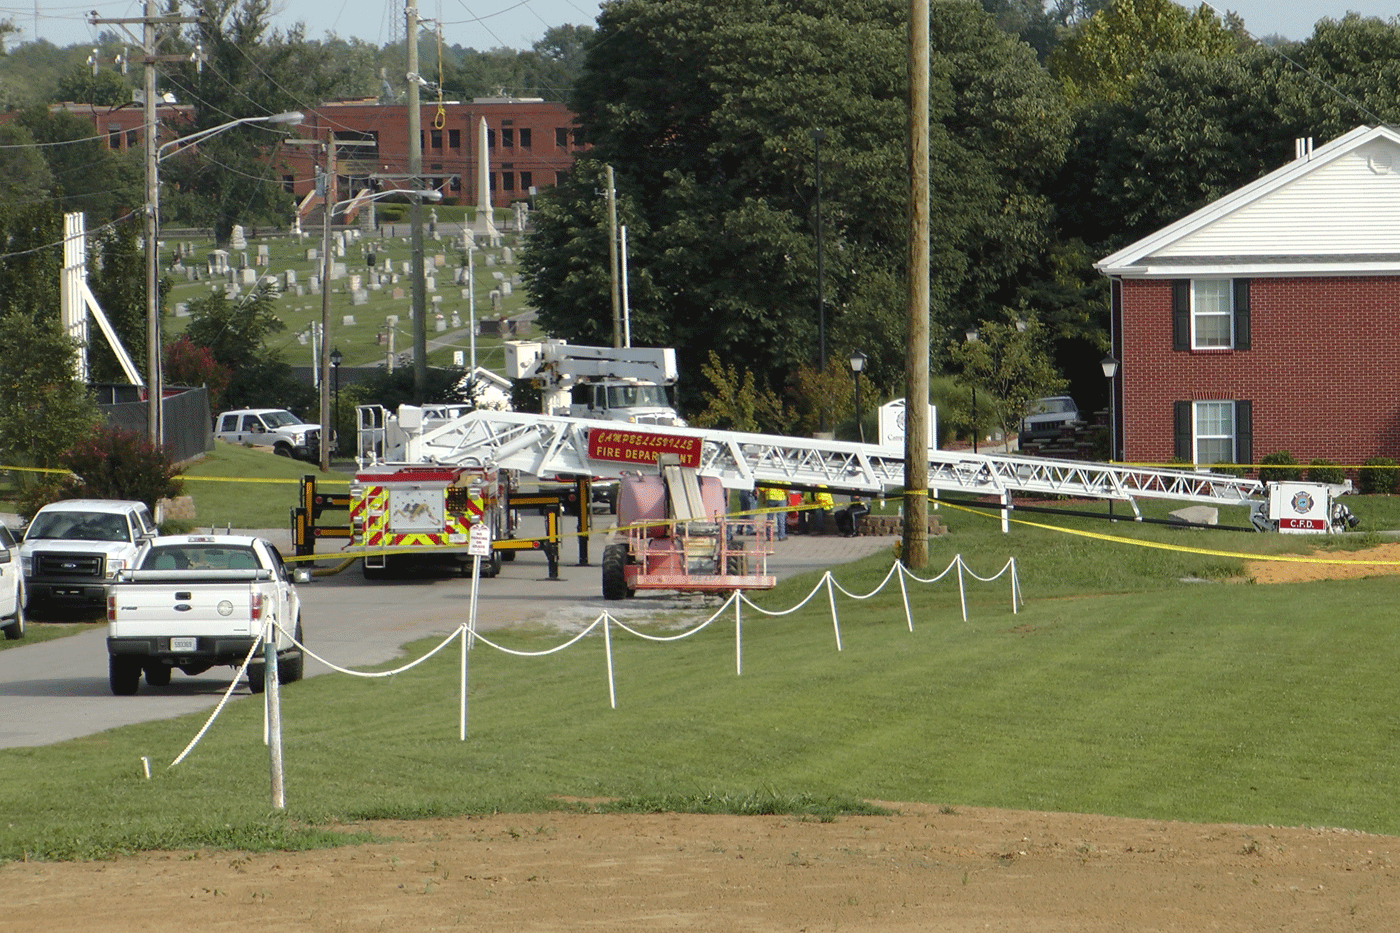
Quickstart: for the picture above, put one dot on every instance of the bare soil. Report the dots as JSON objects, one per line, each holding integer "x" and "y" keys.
{"x": 926, "y": 868}
{"x": 1351, "y": 565}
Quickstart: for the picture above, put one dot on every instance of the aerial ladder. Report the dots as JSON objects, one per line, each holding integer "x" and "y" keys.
{"x": 546, "y": 445}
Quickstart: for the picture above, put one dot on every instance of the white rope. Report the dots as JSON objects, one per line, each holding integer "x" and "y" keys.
{"x": 223, "y": 701}
{"x": 345, "y": 670}
{"x": 738, "y": 599}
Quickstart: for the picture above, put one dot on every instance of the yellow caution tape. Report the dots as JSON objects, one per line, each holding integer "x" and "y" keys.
{"x": 1210, "y": 552}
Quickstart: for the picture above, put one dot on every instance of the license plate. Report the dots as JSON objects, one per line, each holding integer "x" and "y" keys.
{"x": 184, "y": 644}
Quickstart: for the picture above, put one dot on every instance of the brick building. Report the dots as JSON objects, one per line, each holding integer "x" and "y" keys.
{"x": 1268, "y": 320}
{"x": 530, "y": 143}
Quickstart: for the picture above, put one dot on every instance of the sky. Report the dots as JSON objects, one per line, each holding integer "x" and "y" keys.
{"x": 479, "y": 24}
{"x": 518, "y": 24}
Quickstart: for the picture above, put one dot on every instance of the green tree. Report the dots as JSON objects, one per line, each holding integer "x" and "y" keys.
{"x": 1009, "y": 364}
{"x": 85, "y": 175}
{"x": 106, "y": 88}
{"x": 705, "y": 111}
{"x": 235, "y": 332}
{"x": 43, "y": 409}
{"x": 1353, "y": 66}
{"x": 738, "y": 403}
{"x": 1102, "y": 56}
{"x": 118, "y": 282}
{"x": 24, "y": 175}
{"x": 251, "y": 70}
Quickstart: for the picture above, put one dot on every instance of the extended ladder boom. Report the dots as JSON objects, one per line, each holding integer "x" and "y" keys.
{"x": 544, "y": 445}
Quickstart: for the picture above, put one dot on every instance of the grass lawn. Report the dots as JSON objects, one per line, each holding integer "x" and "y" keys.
{"x": 249, "y": 488}
{"x": 1118, "y": 688}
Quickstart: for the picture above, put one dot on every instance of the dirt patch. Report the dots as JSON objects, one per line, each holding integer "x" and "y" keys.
{"x": 925, "y": 869}
{"x": 1352, "y": 566}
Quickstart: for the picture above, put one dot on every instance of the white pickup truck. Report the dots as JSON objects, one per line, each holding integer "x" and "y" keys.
{"x": 194, "y": 601}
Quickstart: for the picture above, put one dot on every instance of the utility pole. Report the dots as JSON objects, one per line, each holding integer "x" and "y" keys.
{"x": 612, "y": 261}
{"x": 328, "y": 208}
{"x": 415, "y": 211}
{"x": 914, "y": 547}
{"x": 149, "y": 60}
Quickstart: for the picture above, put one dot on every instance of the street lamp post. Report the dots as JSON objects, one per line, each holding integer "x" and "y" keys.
{"x": 155, "y": 154}
{"x": 858, "y": 364}
{"x": 972, "y": 337}
{"x": 1110, "y": 369}
{"x": 336, "y": 359}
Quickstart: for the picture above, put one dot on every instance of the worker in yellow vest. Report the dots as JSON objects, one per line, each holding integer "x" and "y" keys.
{"x": 776, "y": 498}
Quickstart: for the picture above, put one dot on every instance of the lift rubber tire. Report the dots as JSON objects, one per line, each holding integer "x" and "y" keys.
{"x": 14, "y": 629}
{"x": 257, "y": 678}
{"x": 157, "y": 674}
{"x": 615, "y": 571}
{"x": 491, "y": 566}
{"x": 124, "y": 675}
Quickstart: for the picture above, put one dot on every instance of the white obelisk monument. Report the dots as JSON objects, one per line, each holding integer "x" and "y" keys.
{"x": 484, "y": 227}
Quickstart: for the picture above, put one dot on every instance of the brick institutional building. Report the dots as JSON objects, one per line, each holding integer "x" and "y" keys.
{"x": 530, "y": 143}
{"x": 1268, "y": 320}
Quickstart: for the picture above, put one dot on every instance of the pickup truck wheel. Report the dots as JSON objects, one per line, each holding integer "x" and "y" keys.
{"x": 157, "y": 674}
{"x": 491, "y": 566}
{"x": 614, "y": 571}
{"x": 291, "y": 667}
{"x": 282, "y": 450}
{"x": 257, "y": 678}
{"x": 124, "y": 675}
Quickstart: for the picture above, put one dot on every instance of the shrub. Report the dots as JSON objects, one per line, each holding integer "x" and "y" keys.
{"x": 115, "y": 463}
{"x": 1279, "y": 467}
{"x": 1321, "y": 470}
{"x": 1380, "y": 477}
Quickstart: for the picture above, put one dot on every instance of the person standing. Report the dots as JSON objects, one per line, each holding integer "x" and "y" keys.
{"x": 748, "y": 504}
{"x": 776, "y": 499}
{"x": 821, "y": 498}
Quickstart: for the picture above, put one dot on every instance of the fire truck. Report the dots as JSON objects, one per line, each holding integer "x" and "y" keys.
{"x": 404, "y": 514}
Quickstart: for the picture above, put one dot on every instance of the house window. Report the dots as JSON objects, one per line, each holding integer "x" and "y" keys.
{"x": 561, "y": 137}
{"x": 1210, "y": 314}
{"x": 490, "y": 138}
{"x": 526, "y": 180}
{"x": 289, "y": 184}
{"x": 578, "y": 136}
{"x": 1215, "y": 431}
{"x": 133, "y": 139}
{"x": 491, "y": 181}
{"x": 454, "y": 139}
{"x": 435, "y": 139}
{"x": 560, "y": 178}
{"x": 525, "y": 137}
{"x": 507, "y": 138}
{"x": 508, "y": 181}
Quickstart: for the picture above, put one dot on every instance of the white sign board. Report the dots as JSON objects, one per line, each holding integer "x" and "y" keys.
{"x": 1300, "y": 508}
{"x": 479, "y": 540}
{"x": 892, "y": 425}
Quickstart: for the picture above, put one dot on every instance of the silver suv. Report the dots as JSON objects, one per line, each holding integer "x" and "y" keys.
{"x": 73, "y": 548}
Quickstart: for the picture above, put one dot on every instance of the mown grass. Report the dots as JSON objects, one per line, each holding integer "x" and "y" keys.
{"x": 249, "y": 488}
{"x": 1118, "y": 689}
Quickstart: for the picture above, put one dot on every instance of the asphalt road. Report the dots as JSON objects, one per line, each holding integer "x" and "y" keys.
{"x": 57, "y": 690}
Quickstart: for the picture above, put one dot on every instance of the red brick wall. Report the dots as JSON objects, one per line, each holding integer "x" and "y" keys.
{"x": 1323, "y": 374}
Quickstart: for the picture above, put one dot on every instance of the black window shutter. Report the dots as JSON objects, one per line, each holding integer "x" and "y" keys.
{"x": 1244, "y": 431}
{"x": 1181, "y": 418}
{"x": 1181, "y": 314}
{"x": 1241, "y": 314}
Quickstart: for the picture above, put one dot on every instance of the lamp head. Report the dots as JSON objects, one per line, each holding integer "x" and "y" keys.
{"x": 1110, "y": 366}
{"x": 857, "y": 361}
{"x": 972, "y": 335}
{"x": 336, "y": 357}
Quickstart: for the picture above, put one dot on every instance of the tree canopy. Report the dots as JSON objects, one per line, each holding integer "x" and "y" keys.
{"x": 706, "y": 110}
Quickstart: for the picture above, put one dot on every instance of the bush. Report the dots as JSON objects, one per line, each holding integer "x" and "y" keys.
{"x": 118, "y": 464}
{"x": 1321, "y": 470}
{"x": 1380, "y": 477}
{"x": 1279, "y": 467}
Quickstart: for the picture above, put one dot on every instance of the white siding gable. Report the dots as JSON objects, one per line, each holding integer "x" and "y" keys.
{"x": 1336, "y": 212}
{"x": 1348, "y": 206}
